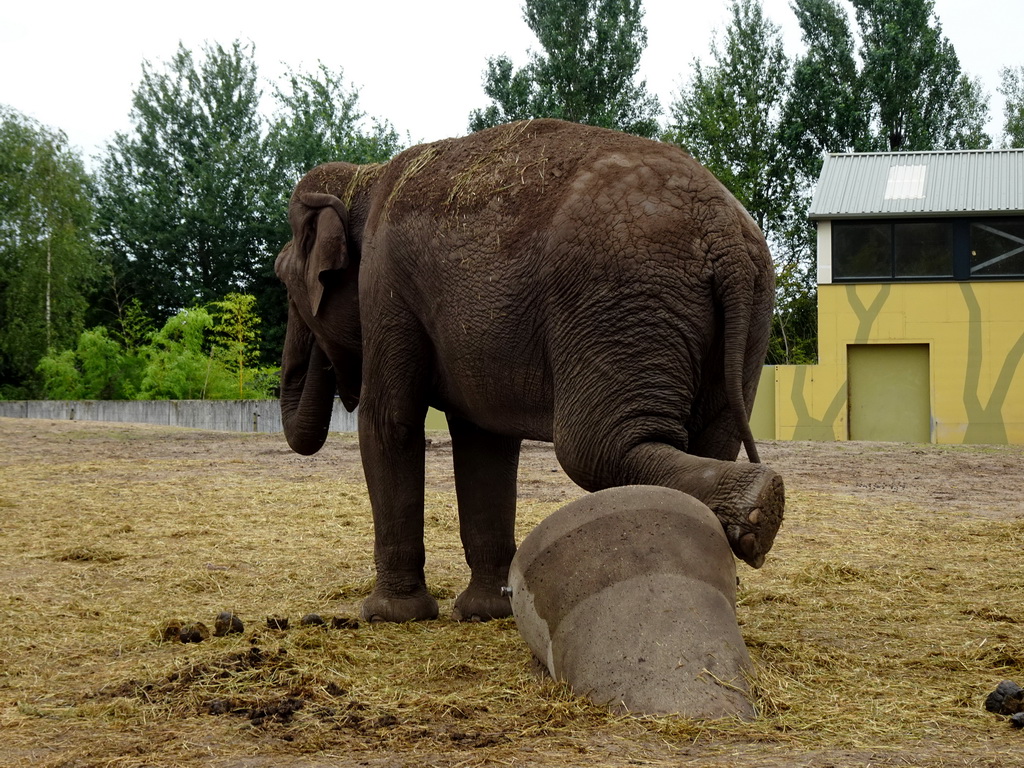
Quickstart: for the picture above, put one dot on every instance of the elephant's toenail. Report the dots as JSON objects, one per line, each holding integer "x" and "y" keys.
{"x": 751, "y": 551}
{"x": 754, "y": 517}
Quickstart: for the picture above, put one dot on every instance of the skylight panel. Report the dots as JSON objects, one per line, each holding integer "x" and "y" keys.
{"x": 905, "y": 182}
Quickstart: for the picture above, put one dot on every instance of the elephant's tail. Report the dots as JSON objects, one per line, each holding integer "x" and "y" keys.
{"x": 741, "y": 293}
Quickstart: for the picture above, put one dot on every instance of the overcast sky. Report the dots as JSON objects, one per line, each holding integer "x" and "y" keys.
{"x": 74, "y": 64}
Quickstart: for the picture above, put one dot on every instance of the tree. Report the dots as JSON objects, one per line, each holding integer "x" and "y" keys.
{"x": 730, "y": 119}
{"x": 236, "y": 335}
{"x": 195, "y": 355}
{"x": 728, "y": 116}
{"x": 99, "y": 368}
{"x": 902, "y": 89}
{"x": 48, "y": 261}
{"x": 587, "y": 73}
{"x": 919, "y": 99}
{"x": 319, "y": 120}
{"x": 183, "y": 200}
{"x": 180, "y": 364}
{"x": 826, "y": 109}
{"x": 1012, "y": 88}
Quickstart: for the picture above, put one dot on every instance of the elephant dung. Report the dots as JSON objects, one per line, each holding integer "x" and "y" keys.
{"x": 629, "y": 595}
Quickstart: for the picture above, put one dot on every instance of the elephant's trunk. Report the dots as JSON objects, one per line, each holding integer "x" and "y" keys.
{"x": 308, "y": 387}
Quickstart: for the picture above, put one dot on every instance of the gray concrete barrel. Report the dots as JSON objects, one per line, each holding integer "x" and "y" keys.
{"x": 629, "y": 595}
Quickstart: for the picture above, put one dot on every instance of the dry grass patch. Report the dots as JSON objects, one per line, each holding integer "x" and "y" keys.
{"x": 877, "y": 629}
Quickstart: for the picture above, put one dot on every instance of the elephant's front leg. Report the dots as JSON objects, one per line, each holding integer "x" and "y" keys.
{"x": 393, "y": 457}
{"x": 485, "y": 483}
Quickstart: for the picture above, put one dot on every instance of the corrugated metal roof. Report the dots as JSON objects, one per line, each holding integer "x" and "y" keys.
{"x": 920, "y": 183}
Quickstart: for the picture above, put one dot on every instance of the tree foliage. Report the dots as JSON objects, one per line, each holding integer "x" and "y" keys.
{"x": 191, "y": 202}
{"x": 826, "y": 109}
{"x": 190, "y": 205}
{"x": 99, "y": 368}
{"x": 197, "y": 354}
{"x": 763, "y": 124}
{"x": 47, "y": 260}
{"x": 180, "y": 365}
{"x": 319, "y": 120}
{"x": 236, "y": 335}
{"x": 728, "y": 115}
{"x": 587, "y": 73}
{"x": 912, "y": 81}
{"x": 901, "y": 89}
{"x": 1011, "y": 86}
{"x": 183, "y": 196}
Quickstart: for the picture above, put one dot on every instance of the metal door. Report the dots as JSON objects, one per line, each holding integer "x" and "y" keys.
{"x": 889, "y": 392}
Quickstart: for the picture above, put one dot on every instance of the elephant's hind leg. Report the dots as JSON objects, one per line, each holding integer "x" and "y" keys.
{"x": 748, "y": 499}
{"x": 485, "y": 483}
{"x": 632, "y": 414}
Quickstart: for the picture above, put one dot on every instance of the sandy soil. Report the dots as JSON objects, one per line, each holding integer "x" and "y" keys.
{"x": 987, "y": 481}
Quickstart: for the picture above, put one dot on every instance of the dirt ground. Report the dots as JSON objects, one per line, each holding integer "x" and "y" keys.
{"x": 980, "y": 485}
{"x": 986, "y": 480}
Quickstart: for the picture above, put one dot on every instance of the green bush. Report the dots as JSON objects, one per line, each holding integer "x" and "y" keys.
{"x": 196, "y": 355}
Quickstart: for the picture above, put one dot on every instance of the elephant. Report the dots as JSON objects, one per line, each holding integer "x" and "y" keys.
{"x": 538, "y": 280}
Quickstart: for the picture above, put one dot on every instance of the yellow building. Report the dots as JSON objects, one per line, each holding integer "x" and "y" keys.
{"x": 920, "y": 304}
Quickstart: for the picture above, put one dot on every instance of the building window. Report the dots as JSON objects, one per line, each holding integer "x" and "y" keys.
{"x": 997, "y": 248}
{"x": 923, "y": 249}
{"x": 891, "y": 250}
{"x": 862, "y": 250}
{"x": 939, "y": 249}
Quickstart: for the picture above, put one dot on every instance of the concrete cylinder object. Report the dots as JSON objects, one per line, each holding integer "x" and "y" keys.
{"x": 629, "y": 595}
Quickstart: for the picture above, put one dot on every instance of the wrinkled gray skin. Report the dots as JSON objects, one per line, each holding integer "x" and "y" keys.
{"x": 541, "y": 280}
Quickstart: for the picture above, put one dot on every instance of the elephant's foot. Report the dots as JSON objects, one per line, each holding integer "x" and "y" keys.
{"x": 479, "y": 603}
{"x": 382, "y": 606}
{"x": 749, "y": 503}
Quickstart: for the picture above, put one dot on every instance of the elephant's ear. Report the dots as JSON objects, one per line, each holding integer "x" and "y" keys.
{"x": 323, "y": 242}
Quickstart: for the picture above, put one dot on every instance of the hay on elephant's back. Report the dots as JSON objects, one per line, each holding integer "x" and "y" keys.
{"x": 322, "y": 179}
{"x": 364, "y": 176}
{"x": 500, "y": 168}
{"x": 418, "y": 158}
{"x": 460, "y": 175}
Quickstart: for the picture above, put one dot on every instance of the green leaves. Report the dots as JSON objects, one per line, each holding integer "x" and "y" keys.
{"x": 189, "y": 205}
{"x": 99, "y": 368}
{"x": 178, "y": 367}
{"x": 181, "y": 195}
{"x": 1012, "y": 89}
{"x": 762, "y": 123}
{"x": 193, "y": 200}
{"x": 587, "y": 73}
{"x": 729, "y": 119}
{"x": 47, "y": 260}
{"x": 901, "y": 89}
{"x": 826, "y": 110}
{"x": 197, "y": 354}
{"x": 319, "y": 120}
{"x": 236, "y": 333}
